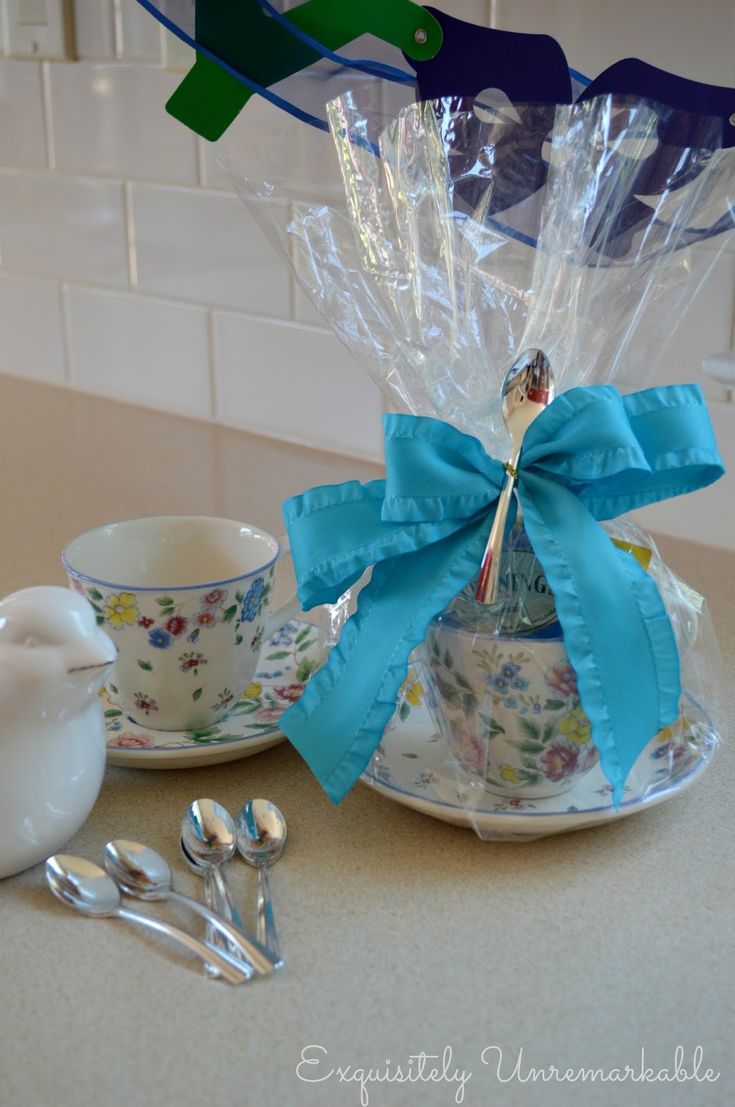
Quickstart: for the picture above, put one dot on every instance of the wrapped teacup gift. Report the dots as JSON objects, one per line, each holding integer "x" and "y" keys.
{"x": 510, "y": 277}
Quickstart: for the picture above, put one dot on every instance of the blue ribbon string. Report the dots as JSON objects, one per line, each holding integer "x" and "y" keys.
{"x": 591, "y": 455}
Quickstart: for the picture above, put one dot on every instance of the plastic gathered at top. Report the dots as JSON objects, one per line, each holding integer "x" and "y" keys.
{"x": 473, "y": 235}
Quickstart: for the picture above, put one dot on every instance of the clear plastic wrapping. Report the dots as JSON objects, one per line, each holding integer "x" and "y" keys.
{"x": 473, "y": 232}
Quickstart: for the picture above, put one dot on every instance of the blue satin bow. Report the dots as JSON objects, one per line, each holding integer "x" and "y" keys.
{"x": 592, "y": 454}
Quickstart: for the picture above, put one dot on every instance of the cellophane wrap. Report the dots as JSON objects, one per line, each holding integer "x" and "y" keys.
{"x": 474, "y": 231}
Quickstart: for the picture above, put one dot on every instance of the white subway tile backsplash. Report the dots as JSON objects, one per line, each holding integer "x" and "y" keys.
{"x": 31, "y": 332}
{"x": 204, "y": 246}
{"x": 258, "y": 138}
{"x": 267, "y": 144}
{"x": 22, "y": 134}
{"x": 69, "y": 227}
{"x": 139, "y": 33}
{"x": 112, "y": 119}
{"x": 296, "y": 383}
{"x": 94, "y": 28}
{"x": 138, "y": 349}
{"x": 65, "y": 127}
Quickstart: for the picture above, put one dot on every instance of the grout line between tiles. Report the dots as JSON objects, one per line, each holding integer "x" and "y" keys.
{"x": 150, "y": 182}
{"x": 294, "y": 440}
{"x": 291, "y": 324}
{"x": 201, "y": 163}
{"x": 117, "y": 29}
{"x": 153, "y": 296}
{"x": 66, "y": 334}
{"x": 48, "y": 118}
{"x": 213, "y": 367}
{"x": 105, "y": 177}
{"x": 291, "y": 279}
{"x": 130, "y": 235}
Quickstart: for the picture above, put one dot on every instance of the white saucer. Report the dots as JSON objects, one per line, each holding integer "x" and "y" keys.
{"x": 410, "y": 767}
{"x": 251, "y": 726}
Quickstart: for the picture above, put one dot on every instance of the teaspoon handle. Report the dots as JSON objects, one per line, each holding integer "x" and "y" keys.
{"x": 261, "y": 960}
{"x": 487, "y": 585}
{"x": 211, "y": 936}
{"x": 218, "y": 898}
{"x": 266, "y": 924}
{"x": 223, "y": 898}
{"x": 225, "y": 967}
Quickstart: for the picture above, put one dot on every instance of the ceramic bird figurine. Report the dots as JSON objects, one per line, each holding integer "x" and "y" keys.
{"x": 53, "y": 661}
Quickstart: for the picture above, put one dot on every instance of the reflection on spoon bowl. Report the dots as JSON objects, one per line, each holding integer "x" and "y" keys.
{"x": 83, "y": 885}
{"x": 143, "y": 873}
{"x": 88, "y": 888}
{"x": 137, "y": 869}
{"x": 261, "y": 832}
{"x": 208, "y": 832}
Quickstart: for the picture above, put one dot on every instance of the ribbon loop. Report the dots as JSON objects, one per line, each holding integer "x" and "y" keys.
{"x": 592, "y": 454}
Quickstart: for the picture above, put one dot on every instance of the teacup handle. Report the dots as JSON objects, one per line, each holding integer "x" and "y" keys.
{"x": 290, "y": 608}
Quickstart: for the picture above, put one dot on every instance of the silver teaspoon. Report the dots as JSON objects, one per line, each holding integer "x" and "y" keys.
{"x": 86, "y": 887}
{"x": 143, "y": 873}
{"x": 208, "y": 832}
{"x": 528, "y": 389}
{"x": 261, "y": 839}
{"x": 212, "y": 900}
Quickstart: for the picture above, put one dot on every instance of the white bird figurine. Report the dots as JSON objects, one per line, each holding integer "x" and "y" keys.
{"x": 53, "y": 662}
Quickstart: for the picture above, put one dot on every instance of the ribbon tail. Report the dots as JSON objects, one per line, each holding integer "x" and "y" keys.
{"x": 617, "y": 634}
{"x": 339, "y": 721}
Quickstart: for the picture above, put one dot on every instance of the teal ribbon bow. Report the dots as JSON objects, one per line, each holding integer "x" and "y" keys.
{"x": 592, "y": 454}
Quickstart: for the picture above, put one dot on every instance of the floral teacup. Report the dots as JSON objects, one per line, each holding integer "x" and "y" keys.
{"x": 508, "y": 708}
{"x": 186, "y": 649}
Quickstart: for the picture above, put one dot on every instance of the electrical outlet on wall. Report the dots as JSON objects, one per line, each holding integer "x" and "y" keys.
{"x": 38, "y": 28}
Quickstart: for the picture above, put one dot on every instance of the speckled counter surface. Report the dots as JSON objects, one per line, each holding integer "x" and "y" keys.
{"x": 401, "y": 934}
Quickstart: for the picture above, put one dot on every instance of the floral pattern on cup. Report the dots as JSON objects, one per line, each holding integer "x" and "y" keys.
{"x": 510, "y": 717}
{"x": 291, "y": 658}
{"x": 176, "y": 632}
{"x": 410, "y": 696}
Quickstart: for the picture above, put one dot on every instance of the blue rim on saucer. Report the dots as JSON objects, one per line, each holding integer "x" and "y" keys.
{"x": 411, "y": 767}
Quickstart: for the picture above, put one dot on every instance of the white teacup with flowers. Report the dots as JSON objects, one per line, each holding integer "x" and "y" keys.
{"x": 508, "y": 708}
{"x": 185, "y": 598}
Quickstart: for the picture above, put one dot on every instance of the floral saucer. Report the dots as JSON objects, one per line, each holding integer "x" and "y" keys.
{"x": 410, "y": 767}
{"x": 286, "y": 662}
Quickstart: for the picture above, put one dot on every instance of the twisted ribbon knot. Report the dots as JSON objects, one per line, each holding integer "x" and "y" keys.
{"x": 591, "y": 455}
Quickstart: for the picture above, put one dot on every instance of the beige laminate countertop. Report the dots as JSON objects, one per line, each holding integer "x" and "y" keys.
{"x": 401, "y": 934}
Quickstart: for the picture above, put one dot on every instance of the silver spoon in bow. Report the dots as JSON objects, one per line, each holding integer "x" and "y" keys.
{"x": 528, "y": 389}
{"x": 88, "y": 888}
